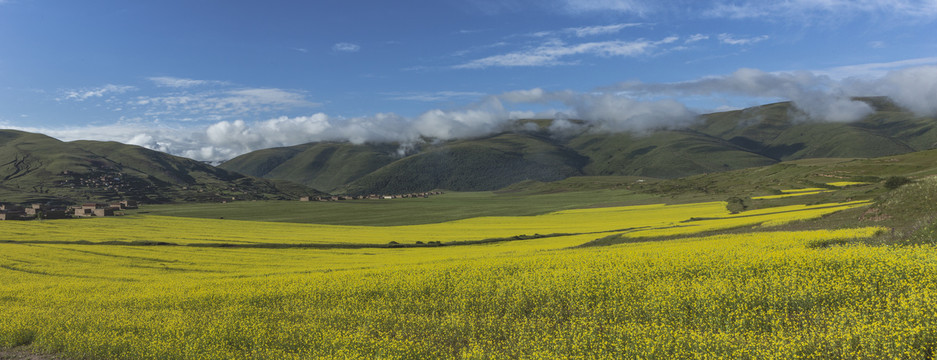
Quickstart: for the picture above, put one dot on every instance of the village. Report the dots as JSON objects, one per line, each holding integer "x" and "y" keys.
{"x": 43, "y": 211}
{"x": 370, "y": 197}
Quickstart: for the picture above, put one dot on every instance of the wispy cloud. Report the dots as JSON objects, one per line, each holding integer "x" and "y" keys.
{"x": 771, "y": 10}
{"x": 639, "y": 7}
{"x": 874, "y": 70}
{"x": 221, "y": 104}
{"x": 733, "y": 40}
{"x": 807, "y": 10}
{"x": 434, "y": 96}
{"x": 175, "y": 82}
{"x": 696, "y": 38}
{"x": 585, "y": 31}
{"x": 85, "y": 94}
{"x": 346, "y": 47}
{"x": 555, "y": 52}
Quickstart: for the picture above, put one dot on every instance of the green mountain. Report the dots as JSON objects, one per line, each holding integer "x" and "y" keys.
{"x": 479, "y": 164}
{"x": 757, "y": 136}
{"x": 662, "y": 154}
{"x": 326, "y": 165}
{"x": 781, "y": 132}
{"x": 38, "y": 168}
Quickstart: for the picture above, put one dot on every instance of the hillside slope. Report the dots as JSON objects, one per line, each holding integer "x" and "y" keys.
{"x": 325, "y": 166}
{"x": 781, "y": 132}
{"x": 480, "y": 164}
{"x": 723, "y": 141}
{"x": 35, "y": 167}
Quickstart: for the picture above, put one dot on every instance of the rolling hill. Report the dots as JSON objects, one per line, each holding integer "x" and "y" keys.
{"x": 38, "y": 168}
{"x": 757, "y": 136}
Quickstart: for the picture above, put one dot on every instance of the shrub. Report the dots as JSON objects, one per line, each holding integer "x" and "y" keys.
{"x": 736, "y": 204}
{"x": 895, "y": 182}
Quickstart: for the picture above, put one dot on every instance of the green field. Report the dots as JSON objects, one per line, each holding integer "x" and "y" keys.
{"x": 437, "y": 208}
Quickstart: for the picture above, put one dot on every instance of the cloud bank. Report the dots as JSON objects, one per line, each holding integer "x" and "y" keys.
{"x": 627, "y": 106}
{"x": 820, "y": 96}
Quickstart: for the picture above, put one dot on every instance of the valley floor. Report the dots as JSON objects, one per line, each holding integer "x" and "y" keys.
{"x": 671, "y": 281}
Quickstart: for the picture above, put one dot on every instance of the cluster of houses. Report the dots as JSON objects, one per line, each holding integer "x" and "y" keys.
{"x": 41, "y": 211}
{"x": 104, "y": 180}
{"x": 370, "y": 197}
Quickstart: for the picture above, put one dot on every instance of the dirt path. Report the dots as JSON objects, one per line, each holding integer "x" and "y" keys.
{"x": 25, "y": 353}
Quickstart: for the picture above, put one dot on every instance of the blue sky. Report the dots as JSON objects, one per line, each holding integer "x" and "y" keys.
{"x": 213, "y": 79}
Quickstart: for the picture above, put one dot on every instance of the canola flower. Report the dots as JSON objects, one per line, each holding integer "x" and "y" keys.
{"x": 769, "y": 294}
{"x": 794, "y": 191}
{"x": 847, "y": 183}
{"x": 760, "y": 295}
{"x": 659, "y": 218}
{"x": 788, "y": 194}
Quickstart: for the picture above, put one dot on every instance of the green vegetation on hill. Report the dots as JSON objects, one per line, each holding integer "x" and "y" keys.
{"x": 782, "y": 132}
{"x": 719, "y": 142}
{"x": 38, "y": 168}
{"x": 326, "y": 166}
{"x": 662, "y": 154}
{"x": 468, "y": 165}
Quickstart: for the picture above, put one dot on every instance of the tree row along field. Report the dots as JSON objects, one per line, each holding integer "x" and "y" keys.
{"x": 761, "y": 294}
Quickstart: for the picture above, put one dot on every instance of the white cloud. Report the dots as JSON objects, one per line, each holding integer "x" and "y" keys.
{"x": 346, "y": 47}
{"x": 695, "y": 38}
{"x": 84, "y": 94}
{"x": 585, "y": 31}
{"x": 808, "y": 10}
{"x": 609, "y": 112}
{"x": 223, "y": 104}
{"x": 481, "y": 119}
{"x": 639, "y": 7}
{"x": 912, "y": 88}
{"x": 823, "y": 98}
{"x": 266, "y": 96}
{"x": 875, "y": 70}
{"x": 817, "y": 95}
{"x": 239, "y": 137}
{"x": 732, "y": 40}
{"x": 174, "y": 82}
{"x": 434, "y": 96}
{"x": 554, "y": 52}
{"x": 600, "y": 30}
{"x": 526, "y": 96}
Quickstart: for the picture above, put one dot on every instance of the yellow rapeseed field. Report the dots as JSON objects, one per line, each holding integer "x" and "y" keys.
{"x": 846, "y": 183}
{"x": 792, "y": 193}
{"x": 771, "y": 294}
{"x": 646, "y": 219}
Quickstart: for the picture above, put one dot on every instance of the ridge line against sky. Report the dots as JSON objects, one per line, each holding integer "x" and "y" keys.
{"x": 214, "y": 79}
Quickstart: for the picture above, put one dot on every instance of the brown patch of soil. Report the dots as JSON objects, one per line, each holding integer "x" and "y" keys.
{"x": 25, "y": 353}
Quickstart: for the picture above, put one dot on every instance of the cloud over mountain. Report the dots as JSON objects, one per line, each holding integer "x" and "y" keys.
{"x": 627, "y": 106}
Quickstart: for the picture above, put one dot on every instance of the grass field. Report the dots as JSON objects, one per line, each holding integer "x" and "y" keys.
{"x": 438, "y": 208}
{"x": 664, "y": 291}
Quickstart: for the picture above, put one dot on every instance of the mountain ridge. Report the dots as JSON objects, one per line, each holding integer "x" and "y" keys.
{"x": 756, "y": 136}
